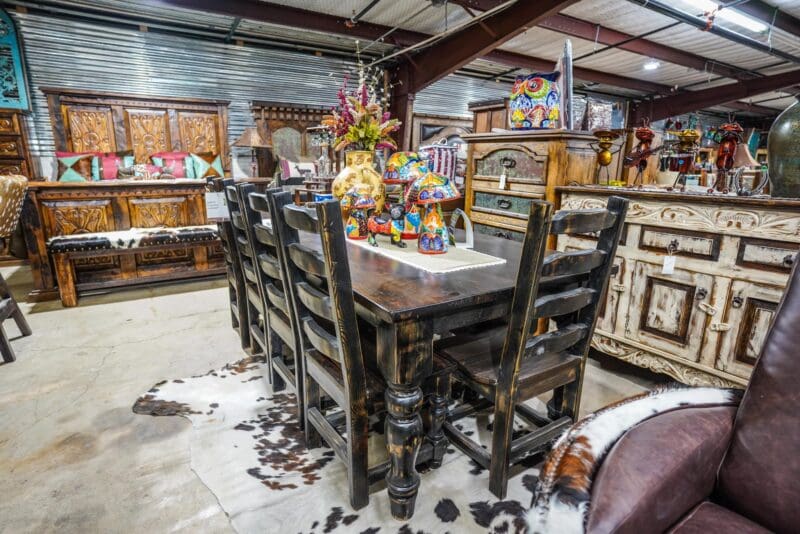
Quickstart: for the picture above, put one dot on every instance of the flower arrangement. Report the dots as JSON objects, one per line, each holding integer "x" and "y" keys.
{"x": 358, "y": 123}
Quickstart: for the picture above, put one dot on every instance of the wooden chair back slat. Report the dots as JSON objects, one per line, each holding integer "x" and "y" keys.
{"x": 559, "y": 340}
{"x": 238, "y": 220}
{"x": 582, "y": 221}
{"x": 264, "y": 235}
{"x": 310, "y": 261}
{"x": 572, "y": 263}
{"x": 301, "y": 218}
{"x": 277, "y": 298}
{"x": 270, "y": 266}
{"x": 316, "y": 301}
{"x": 321, "y": 340}
{"x": 230, "y": 193}
{"x": 258, "y": 202}
{"x": 564, "y": 302}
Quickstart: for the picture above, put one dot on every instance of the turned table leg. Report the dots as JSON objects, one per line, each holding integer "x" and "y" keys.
{"x": 405, "y": 357}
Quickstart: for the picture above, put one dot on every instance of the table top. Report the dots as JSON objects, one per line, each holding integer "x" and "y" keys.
{"x": 395, "y": 291}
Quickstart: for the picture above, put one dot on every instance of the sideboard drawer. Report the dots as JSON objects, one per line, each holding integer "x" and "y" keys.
{"x": 686, "y": 242}
{"x": 499, "y": 232}
{"x": 9, "y": 124}
{"x": 513, "y": 164}
{"x": 14, "y": 166}
{"x": 10, "y": 147}
{"x": 503, "y": 203}
{"x": 766, "y": 254}
{"x": 490, "y": 184}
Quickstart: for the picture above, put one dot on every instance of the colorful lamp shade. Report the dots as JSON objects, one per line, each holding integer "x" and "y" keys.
{"x": 429, "y": 192}
{"x": 404, "y": 167}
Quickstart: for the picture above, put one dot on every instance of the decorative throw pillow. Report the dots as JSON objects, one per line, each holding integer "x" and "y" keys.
{"x": 180, "y": 163}
{"x": 74, "y": 168}
{"x": 207, "y": 165}
{"x": 105, "y": 166}
{"x": 297, "y": 169}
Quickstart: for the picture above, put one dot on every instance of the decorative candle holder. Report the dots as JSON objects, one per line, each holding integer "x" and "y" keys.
{"x": 603, "y": 149}
{"x": 429, "y": 192}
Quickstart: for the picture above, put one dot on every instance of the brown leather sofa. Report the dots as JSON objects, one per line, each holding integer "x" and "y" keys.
{"x": 694, "y": 460}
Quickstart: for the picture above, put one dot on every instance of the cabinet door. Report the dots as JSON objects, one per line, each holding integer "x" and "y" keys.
{"x": 669, "y": 312}
{"x": 148, "y": 132}
{"x": 164, "y": 211}
{"x": 612, "y": 314}
{"x": 67, "y": 217}
{"x": 748, "y": 315}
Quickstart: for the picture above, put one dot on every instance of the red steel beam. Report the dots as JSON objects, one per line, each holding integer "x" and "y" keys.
{"x": 459, "y": 48}
{"x": 589, "y": 31}
{"x": 669, "y": 106}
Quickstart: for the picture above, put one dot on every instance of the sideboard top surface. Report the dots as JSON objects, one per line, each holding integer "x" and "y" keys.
{"x": 668, "y": 196}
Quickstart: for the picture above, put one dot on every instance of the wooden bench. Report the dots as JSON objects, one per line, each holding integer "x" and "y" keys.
{"x": 126, "y": 244}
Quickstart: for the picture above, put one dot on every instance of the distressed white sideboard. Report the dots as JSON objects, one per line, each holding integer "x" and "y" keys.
{"x": 705, "y": 323}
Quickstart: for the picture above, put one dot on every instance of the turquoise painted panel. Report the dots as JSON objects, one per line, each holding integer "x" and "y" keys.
{"x": 498, "y": 232}
{"x": 503, "y": 203}
{"x": 13, "y": 85}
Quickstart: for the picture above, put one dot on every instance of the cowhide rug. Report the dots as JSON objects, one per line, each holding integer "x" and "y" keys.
{"x": 248, "y": 451}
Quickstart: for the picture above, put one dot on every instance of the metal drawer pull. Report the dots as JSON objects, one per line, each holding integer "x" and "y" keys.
{"x": 503, "y": 203}
{"x": 737, "y": 301}
{"x": 618, "y": 287}
{"x": 707, "y": 308}
{"x": 672, "y": 248}
{"x": 719, "y": 327}
{"x": 508, "y": 163}
{"x": 788, "y": 260}
{"x": 701, "y": 293}
{"x": 504, "y": 235}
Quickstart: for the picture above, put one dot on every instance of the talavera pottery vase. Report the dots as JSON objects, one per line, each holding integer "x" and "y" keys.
{"x": 783, "y": 153}
{"x": 429, "y": 192}
{"x": 358, "y": 171}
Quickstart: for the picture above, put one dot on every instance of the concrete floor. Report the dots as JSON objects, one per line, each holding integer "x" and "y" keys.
{"x": 74, "y": 458}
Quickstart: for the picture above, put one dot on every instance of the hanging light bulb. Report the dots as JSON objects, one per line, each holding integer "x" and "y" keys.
{"x": 652, "y": 65}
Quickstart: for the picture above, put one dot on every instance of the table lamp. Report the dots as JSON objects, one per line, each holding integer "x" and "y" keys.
{"x": 251, "y": 139}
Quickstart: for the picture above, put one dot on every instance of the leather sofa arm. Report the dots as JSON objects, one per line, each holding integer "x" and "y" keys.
{"x": 564, "y": 495}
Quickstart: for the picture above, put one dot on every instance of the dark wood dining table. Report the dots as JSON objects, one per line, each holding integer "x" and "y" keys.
{"x": 407, "y": 306}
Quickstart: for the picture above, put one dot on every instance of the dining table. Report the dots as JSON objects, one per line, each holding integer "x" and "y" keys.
{"x": 408, "y": 306}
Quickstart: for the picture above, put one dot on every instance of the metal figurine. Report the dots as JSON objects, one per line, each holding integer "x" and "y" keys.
{"x": 605, "y": 155}
{"x": 641, "y": 152}
{"x": 687, "y": 152}
{"x": 730, "y": 137}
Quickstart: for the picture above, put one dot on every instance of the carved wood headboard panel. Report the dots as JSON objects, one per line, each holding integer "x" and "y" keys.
{"x": 285, "y": 126}
{"x": 92, "y": 121}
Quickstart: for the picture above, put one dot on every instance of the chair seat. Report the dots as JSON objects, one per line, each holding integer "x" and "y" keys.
{"x": 709, "y": 517}
{"x": 478, "y": 357}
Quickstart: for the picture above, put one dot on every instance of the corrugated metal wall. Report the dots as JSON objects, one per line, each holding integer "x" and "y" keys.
{"x": 66, "y": 53}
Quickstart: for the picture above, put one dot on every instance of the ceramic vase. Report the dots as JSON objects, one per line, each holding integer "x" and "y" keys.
{"x": 783, "y": 153}
{"x": 359, "y": 171}
{"x": 534, "y": 101}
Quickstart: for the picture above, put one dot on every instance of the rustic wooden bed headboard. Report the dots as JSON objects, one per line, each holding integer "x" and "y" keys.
{"x": 93, "y": 121}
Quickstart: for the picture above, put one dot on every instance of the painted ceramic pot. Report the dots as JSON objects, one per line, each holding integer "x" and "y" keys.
{"x": 404, "y": 168}
{"x": 442, "y": 158}
{"x": 358, "y": 171}
{"x": 535, "y": 102}
{"x": 359, "y": 203}
{"x": 783, "y": 155}
{"x": 429, "y": 192}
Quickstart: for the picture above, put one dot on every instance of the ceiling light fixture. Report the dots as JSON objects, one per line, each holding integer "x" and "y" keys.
{"x": 730, "y": 15}
{"x": 652, "y": 65}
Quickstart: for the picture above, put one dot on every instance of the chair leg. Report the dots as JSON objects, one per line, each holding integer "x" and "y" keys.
{"x": 501, "y": 444}
{"x": 357, "y": 443}
{"x": 5, "y": 347}
{"x": 19, "y": 318}
{"x": 312, "y": 400}
{"x": 275, "y": 350}
{"x": 435, "y": 414}
{"x": 299, "y": 389}
{"x": 555, "y": 404}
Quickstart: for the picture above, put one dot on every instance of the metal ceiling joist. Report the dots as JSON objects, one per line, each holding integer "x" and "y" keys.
{"x": 771, "y": 15}
{"x": 701, "y": 23}
{"x": 671, "y": 106}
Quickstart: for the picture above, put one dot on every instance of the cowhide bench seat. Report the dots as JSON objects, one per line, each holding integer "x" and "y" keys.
{"x": 125, "y": 244}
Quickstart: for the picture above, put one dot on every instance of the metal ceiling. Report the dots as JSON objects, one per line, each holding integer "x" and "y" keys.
{"x": 422, "y": 16}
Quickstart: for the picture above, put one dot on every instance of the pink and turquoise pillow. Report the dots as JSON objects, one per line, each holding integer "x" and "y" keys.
{"x": 181, "y": 164}
{"x": 105, "y": 166}
{"x": 207, "y": 165}
{"x": 74, "y": 167}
